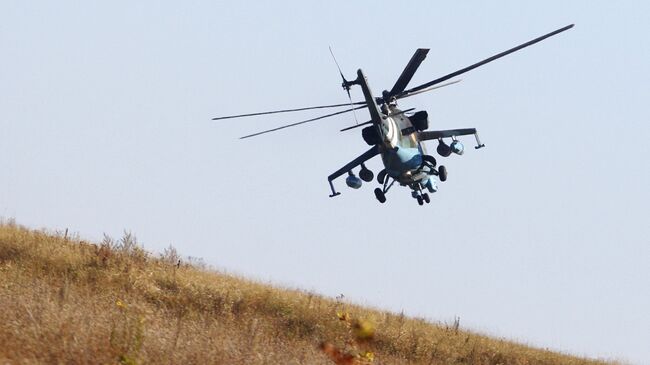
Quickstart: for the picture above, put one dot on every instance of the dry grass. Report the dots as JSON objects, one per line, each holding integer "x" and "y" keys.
{"x": 63, "y": 300}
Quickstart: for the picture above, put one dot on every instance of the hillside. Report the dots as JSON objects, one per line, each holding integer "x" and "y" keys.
{"x": 65, "y": 300}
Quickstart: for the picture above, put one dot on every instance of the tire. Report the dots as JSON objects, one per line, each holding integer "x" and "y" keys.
{"x": 442, "y": 173}
{"x": 430, "y": 159}
{"x": 420, "y": 200}
{"x": 425, "y": 196}
{"x": 381, "y": 176}
{"x": 379, "y": 194}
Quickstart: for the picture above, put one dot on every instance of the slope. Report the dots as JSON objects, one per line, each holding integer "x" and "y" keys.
{"x": 65, "y": 300}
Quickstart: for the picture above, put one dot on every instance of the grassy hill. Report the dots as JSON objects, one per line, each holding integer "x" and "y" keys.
{"x": 64, "y": 300}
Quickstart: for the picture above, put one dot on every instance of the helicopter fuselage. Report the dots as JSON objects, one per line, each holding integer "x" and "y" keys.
{"x": 400, "y": 148}
{"x": 401, "y": 151}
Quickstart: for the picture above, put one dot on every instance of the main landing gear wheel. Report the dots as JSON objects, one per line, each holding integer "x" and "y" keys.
{"x": 430, "y": 159}
{"x": 381, "y": 176}
{"x": 442, "y": 173}
{"x": 379, "y": 194}
{"x": 425, "y": 196}
{"x": 420, "y": 200}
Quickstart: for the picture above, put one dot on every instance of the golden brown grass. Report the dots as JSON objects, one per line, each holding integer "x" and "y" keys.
{"x": 63, "y": 300}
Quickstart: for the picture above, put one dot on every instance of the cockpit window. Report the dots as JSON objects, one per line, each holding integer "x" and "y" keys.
{"x": 406, "y": 133}
{"x": 408, "y": 141}
{"x": 399, "y": 132}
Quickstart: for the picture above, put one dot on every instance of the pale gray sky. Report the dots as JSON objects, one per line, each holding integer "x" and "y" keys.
{"x": 542, "y": 237}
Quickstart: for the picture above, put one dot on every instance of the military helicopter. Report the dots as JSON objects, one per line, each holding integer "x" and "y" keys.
{"x": 396, "y": 134}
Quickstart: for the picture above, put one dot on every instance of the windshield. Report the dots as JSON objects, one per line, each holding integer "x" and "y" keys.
{"x": 399, "y": 132}
{"x": 406, "y": 132}
{"x": 408, "y": 141}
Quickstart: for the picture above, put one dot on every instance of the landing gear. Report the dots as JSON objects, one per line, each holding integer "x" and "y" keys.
{"x": 442, "y": 173}
{"x": 420, "y": 197}
{"x": 431, "y": 186}
{"x": 429, "y": 160}
{"x": 379, "y": 194}
{"x": 381, "y": 176}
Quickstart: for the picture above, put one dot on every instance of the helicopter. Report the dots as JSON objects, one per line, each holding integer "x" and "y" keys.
{"x": 397, "y": 135}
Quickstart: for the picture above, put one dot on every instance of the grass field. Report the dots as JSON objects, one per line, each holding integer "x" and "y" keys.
{"x": 67, "y": 301}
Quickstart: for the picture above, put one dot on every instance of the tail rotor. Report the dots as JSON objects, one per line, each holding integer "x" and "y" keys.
{"x": 345, "y": 84}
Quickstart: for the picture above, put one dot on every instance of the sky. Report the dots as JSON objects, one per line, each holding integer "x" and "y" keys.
{"x": 542, "y": 237}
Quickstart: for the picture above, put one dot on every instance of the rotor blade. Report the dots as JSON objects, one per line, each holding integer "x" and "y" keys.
{"x": 337, "y": 65}
{"x": 487, "y": 60}
{"x": 370, "y": 121}
{"x": 403, "y": 80}
{"x": 303, "y": 122}
{"x": 289, "y": 110}
{"x": 430, "y": 88}
{"x": 356, "y": 126}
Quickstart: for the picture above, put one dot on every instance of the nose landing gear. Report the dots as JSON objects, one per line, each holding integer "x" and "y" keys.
{"x": 420, "y": 200}
{"x": 420, "y": 197}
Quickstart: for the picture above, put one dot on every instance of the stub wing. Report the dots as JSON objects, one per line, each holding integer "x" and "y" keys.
{"x": 372, "y": 152}
{"x": 428, "y": 135}
{"x": 450, "y": 133}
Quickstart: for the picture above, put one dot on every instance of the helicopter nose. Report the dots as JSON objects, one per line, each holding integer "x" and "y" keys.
{"x": 410, "y": 157}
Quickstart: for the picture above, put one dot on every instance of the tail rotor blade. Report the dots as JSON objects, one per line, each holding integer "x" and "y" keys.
{"x": 337, "y": 66}
{"x": 345, "y": 84}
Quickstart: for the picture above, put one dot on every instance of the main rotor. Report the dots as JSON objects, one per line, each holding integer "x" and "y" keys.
{"x": 398, "y": 91}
